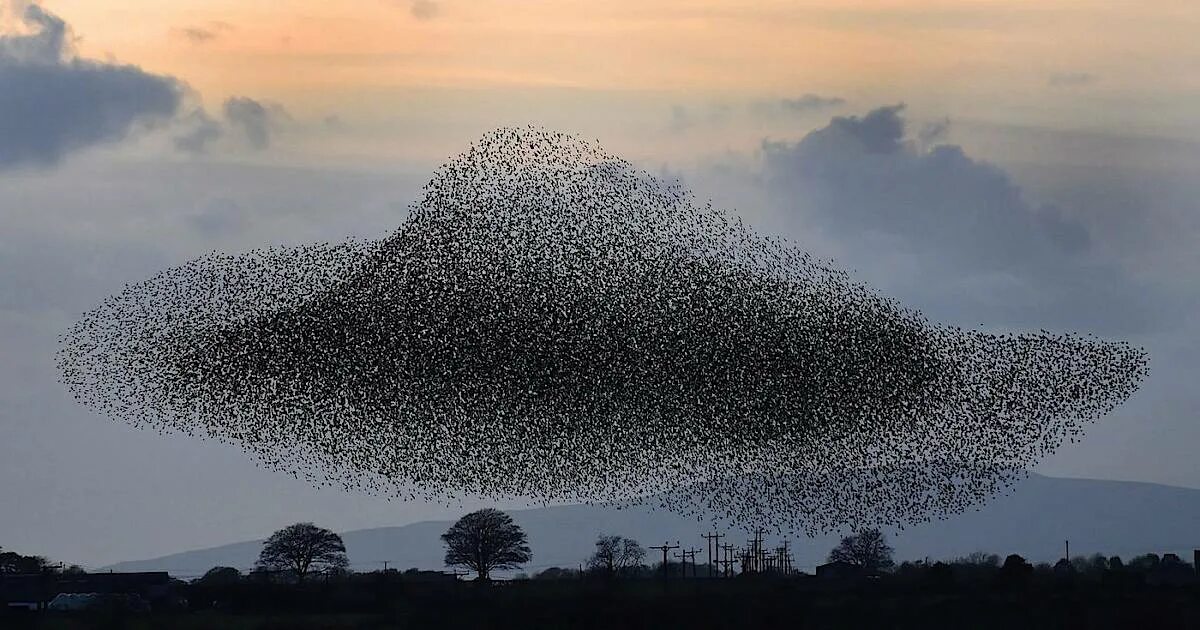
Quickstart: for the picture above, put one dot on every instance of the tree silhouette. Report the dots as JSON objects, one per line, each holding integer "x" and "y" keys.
{"x": 12, "y": 562}
{"x": 484, "y": 541}
{"x": 1015, "y": 570}
{"x": 1145, "y": 562}
{"x": 302, "y": 548}
{"x": 221, "y": 576}
{"x": 979, "y": 559}
{"x": 867, "y": 548}
{"x": 616, "y": 554}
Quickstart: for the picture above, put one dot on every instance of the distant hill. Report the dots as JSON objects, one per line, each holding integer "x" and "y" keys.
{"x": 1110, "y": 517}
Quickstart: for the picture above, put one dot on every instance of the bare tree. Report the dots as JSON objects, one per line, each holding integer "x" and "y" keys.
{"x": 303, "y": 548}
{"x": 484, "y": 541}
{"x": 867, "y": 548}
{"x": 616, "y": 554}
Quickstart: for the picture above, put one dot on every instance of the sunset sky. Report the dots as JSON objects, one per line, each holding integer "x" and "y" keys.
{"x": 447, "y": 69}
{"x": 137, "y": 135}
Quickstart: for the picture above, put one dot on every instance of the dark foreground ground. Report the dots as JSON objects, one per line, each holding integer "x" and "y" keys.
{"x": 744, "y": 604}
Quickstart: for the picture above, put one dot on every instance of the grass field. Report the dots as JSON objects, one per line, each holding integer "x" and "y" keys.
{"x": 698, "y": 604}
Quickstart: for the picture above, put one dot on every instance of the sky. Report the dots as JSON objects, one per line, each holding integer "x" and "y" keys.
{"x": 997, "y": 164}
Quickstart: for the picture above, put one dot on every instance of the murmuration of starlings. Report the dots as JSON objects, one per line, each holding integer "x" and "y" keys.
{"x": 552, "y": 324}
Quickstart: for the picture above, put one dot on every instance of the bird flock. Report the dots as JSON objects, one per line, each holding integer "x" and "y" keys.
{"x": 552, "y": 324}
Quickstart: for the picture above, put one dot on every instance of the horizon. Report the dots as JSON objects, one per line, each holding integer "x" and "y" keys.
{"x": 809, "y": 549}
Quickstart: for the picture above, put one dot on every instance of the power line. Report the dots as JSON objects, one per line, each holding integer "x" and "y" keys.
{"x": 714, "y": 542}
{"x": 665, "y": 547}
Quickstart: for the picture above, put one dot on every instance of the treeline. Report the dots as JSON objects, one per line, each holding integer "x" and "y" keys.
{"x": 303, "y": 574}
{"x": 13, "y": 563}
{"x": 1147, "y": 569}
{"x": 977, "y": 591}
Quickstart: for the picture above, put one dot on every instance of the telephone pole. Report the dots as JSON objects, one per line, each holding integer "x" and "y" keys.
{"x": 690, "y": 552}
{"x": 727, "y": 563}
{"x": 665, "y": 548}
{"x": 746, "y": 556}
{"x": 714, "y": 542}
{"x": 787, "y": 558}
{"x": 684, "y": 555}
{"x": 757, "y": 550}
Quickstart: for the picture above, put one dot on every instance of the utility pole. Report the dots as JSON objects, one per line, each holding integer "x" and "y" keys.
{"x": 692, "y": 552}
{"x": 684, "y": 555}
{"x": 787, "y": 558}
{"x": 1068, "y": 556}
{"x": 758, "y": 550}
{"x": 665, "y": 547}
{"x": 714, "y": 542}
{"x": 729, "y": 559}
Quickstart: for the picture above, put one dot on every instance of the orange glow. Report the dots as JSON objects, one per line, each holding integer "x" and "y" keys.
{"x": 981, "y": 57}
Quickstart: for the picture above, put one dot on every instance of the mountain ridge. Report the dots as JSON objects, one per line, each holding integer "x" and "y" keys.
{"x": 1034, "y": 519}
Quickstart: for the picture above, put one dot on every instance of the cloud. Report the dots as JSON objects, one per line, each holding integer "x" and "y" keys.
{"x": 809, "y": 102}
{"x": 685, "y": 117}
{"x": 1071, "y": 79}
{"x": 201, "y": 131}
{"x": 333, "y": 122}
{"x": 54, "y": 103}
{"x": 255, "y": 121}
{"x": 936, "y": 221}
{"x": 203, "y": 34}
{"x": 219, "y": 217}
{"x": 243, "y": 123}
{"x": 424, "y": 9}
{"x": 881, "y": 131}
{"x": 681, "y": 119}
{"x": 863, "y": 176}
{"x": 933, "y": 132}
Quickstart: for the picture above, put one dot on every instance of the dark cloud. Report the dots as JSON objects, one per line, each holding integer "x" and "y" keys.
{"x": 933, "y": 132}
{"x": 880, "y": 131}
{"x": 250, "y": 118}
{"x": 243, "y": 122}
{"x": 1071, "y": 79}
{"x": 53, "y": 103}
{"x": 959, "y": 221}
{"x": 201, "y": 131}
{"x": 255, "y": 121}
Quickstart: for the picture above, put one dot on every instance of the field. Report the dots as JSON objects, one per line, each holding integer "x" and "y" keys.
{"x": 694, "y": 604}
